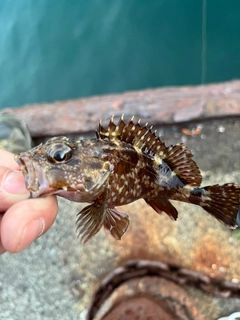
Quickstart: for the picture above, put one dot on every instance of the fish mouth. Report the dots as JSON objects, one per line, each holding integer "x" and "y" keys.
{"x": 35, "y": 179}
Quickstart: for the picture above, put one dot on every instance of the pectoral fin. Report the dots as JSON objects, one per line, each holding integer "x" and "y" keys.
{"x": 163, "y": 205}
{"x": 91, "y": 218}
{"x": 116, "y": 222}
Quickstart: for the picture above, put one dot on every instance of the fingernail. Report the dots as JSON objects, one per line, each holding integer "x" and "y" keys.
{"x": 13, "y": 182}
{"x": 31, "y": 232}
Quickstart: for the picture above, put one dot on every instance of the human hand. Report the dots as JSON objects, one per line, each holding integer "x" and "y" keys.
{"x": 22, "y": 220}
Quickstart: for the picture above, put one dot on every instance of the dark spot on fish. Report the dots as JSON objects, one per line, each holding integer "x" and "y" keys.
{"x": 123, "y": 168}
{"x": 197, "y": 192}
{"x": 133, "y": 156}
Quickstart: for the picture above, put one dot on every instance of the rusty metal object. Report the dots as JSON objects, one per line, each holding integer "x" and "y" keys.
{"x": 139, "y": 269}
{"x": 162, "y": 105}
{"x": 142, "y": 308}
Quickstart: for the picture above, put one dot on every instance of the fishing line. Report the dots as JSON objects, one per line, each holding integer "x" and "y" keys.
{"x": 204, "y": 41}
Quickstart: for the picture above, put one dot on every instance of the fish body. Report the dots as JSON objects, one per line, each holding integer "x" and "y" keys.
{"x": 126, "y": 162}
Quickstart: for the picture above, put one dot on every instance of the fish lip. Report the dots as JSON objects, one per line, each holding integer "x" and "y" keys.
{"x": 35, "y": 179}
{"x": 21, "y": 164}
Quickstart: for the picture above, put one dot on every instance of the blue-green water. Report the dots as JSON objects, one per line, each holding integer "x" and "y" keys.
{"x": 55, "y": 50}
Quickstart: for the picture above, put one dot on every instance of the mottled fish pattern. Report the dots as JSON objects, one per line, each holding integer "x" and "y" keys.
{"x": 126, "y": 162}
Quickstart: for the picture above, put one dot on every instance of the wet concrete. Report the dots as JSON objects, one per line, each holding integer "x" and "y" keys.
{"x": 55, "y": 278}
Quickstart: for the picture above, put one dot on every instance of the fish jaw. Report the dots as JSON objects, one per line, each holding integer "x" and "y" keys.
{"x": 43, "y": 179}
{"x": 36, "y": 180}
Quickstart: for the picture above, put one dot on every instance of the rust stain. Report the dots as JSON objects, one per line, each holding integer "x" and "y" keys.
{"x": 145, "y": 236}
{"x": 210, "y": 257}
{"x": 209, "y": 248}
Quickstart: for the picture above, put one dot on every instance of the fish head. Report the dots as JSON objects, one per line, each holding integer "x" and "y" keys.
{"x": 63, "y": 167}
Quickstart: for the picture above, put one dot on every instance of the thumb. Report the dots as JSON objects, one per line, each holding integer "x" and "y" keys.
{"x": 12, "y": 188}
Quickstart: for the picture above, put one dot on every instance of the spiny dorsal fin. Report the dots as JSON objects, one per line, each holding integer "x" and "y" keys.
{"x": 140, "y": 137}
{"x": 178, "y": 157}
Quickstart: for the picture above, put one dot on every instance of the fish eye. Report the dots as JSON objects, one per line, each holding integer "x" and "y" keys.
{"x": 59, "y": 153}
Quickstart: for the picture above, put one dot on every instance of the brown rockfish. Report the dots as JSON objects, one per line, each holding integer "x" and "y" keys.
{"x": 126, "y": 162}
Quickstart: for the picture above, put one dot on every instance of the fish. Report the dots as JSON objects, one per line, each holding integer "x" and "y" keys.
{"x": 126, "y": 161}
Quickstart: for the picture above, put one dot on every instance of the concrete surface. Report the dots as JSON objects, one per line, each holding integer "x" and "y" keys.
{"x": 56, "y": 276}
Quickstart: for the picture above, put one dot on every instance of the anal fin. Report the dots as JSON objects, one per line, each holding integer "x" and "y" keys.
{"x": 116, "y": 222}
{"x": 163, "y": 205}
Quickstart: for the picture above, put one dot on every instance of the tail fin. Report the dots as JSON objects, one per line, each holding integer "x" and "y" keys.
{"x": 223, "y": 202}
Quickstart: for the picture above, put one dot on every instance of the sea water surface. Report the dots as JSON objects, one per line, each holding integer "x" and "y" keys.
{"x": 56, "y": 50}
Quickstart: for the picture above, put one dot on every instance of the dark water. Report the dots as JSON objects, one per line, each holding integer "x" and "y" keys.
{"x": 55, "y": 50}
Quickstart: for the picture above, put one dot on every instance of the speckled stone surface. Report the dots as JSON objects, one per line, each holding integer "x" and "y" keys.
{"x": 56, "y": 276}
